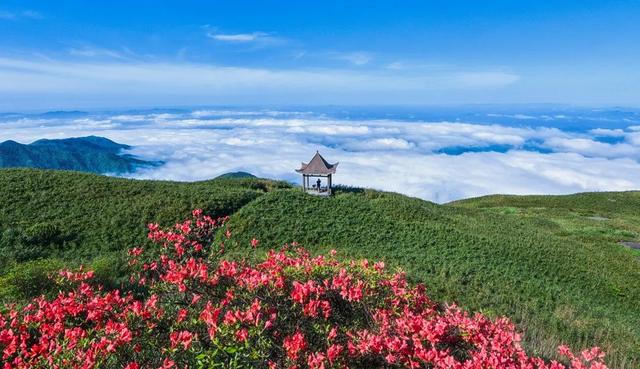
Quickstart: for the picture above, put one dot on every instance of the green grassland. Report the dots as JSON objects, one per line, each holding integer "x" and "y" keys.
{"x": 553, "y": 264}
{"x": 54, "y": 218}
{"x": 562, "y": 277}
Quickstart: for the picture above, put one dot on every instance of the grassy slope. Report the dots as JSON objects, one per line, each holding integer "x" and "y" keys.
{"x": 560, "y": 279}
{"x": 538, "y": 260}
{"x": 72, "y": 215}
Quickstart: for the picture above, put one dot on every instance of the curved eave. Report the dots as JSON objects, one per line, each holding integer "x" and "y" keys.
{"x": 305, "y": 170}
{"x": 317, "y": 174}
{"x": 331, "y": 171}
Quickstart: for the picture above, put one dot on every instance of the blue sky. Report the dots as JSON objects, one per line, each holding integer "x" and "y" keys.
{"x": 79, "y": 54}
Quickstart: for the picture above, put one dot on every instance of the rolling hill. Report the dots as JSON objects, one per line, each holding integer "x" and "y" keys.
{"x": 232, "y": 175}
{"x": 87, "y": 154}
{"x": 553, "y": 264}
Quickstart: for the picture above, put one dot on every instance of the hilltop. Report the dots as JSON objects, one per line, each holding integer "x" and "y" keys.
{"x": 88, "y": 154}
{"x": 553, "y": 264}
{"x": 232, "y": 175}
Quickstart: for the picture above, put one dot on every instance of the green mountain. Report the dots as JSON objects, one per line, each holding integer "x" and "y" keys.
{"x": 553, "y": 264}
{"x": 231, "y": 175}
{"x": 87, "y": 154}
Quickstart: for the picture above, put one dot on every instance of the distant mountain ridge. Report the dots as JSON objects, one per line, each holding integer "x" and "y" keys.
{"x": 86, "y": 154}
{"x": 234, "y": 175}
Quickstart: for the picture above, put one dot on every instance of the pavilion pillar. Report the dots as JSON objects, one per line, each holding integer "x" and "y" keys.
{"x": 329, "y": 184}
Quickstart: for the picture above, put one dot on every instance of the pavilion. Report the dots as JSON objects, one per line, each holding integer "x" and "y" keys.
{"x": 318, "y": 168}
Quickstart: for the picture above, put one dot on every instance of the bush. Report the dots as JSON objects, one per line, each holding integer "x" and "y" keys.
{"x": 290, "y": 310}
{"x": 111, "y": 270}
{"x": 28, "y": 280}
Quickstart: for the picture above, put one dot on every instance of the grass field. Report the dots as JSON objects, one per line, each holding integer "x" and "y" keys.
{"x": 553, "y": 264}
{"x": 560, "y": 275}
{"x": 54, "y": 218}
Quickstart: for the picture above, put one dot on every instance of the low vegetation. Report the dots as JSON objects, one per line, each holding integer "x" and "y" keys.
{"x": 52, "y": 218}
{"x": 554, "y": 265}
{"x": 290, "y": 310}
{"x": 561, "y": 278}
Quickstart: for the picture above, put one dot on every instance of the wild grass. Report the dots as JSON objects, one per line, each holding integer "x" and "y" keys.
{"x": 560, "y": 276}
{"x": 78, "y": 218}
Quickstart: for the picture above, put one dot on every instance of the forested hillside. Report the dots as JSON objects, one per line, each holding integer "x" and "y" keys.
{"x": 87, "y": 154}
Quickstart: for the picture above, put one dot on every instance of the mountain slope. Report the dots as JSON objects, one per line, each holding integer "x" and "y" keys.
{"x": 77, "y": 216}
{"x": 549, "y": 263}
{"x": 557, "y": 285}
{"x": 233, "y": 175}
{"x": 87, "y": 154}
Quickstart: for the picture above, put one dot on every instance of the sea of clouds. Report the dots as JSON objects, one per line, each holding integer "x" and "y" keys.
{"x": 440, "y": 160}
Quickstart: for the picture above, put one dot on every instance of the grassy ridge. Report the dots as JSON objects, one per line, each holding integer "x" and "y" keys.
{"x": 559, "y": 285}
{"x": 551, "y": 263}
{"x": 53, "y": 218}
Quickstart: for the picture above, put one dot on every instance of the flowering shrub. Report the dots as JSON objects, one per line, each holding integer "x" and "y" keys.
{"x": 291, "y": 310}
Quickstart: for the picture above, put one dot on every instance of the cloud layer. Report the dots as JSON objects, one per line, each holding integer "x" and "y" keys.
{"x": 99, "y": 77}
{"x": 438, "y": 161}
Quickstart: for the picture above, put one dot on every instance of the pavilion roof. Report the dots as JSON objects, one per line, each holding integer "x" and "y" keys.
{"x": 318, "y": 165}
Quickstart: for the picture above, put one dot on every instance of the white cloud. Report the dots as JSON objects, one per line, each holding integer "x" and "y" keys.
{"x": 486, "y": 79}
{"x": 329, "y": 129}
{"x": 605, "y": 132}
{"x": 384, "y": 154}
{"x": 518, "y": 116}
{"x": 589, "y": 147}
{"x": 396, "y": 65}
{"x": 379, "y": 144}
{"x": 253, "y": 38}
{"x": 93, "y": 52}
{"x": 238, "y": 37}
{"x": 358, "y": 58}
{"x": 96, "y": 82}
{"x": 633, "y": 138}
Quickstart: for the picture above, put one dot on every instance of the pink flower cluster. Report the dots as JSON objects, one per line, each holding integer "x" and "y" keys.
{"x": 291, "y": 310}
